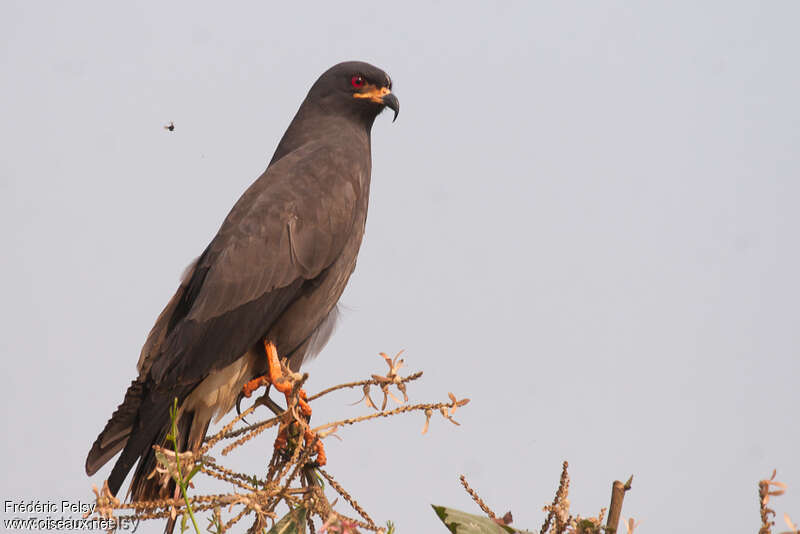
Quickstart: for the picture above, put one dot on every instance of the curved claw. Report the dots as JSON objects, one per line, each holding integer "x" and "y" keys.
{"x": 239, "y": 407}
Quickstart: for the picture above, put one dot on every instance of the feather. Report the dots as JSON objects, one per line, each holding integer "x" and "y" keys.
{"x": 275, "y": 270}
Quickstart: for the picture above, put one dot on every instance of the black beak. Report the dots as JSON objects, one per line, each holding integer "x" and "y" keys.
{"x": 390, "y": 101}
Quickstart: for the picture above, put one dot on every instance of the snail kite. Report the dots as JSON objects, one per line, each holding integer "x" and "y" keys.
{"x": 270, "y": 277}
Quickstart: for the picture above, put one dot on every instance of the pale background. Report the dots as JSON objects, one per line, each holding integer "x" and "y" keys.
{"x": 585, "y": 218}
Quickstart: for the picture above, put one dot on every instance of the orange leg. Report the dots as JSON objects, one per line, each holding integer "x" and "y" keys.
{"x": 275, "y": 378}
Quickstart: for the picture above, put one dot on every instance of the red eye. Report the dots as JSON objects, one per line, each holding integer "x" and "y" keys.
{"x": 357, "y": 81}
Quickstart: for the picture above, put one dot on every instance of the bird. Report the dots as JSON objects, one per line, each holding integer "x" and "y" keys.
{"x": 267, "y": 284}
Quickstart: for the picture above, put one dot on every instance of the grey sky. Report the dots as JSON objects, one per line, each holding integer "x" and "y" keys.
{"x": 585, "y": 219}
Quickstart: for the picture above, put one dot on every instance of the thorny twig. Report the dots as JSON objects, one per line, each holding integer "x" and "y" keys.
{"x": 507, "y": 519}
{"x": 441, "y": 406}
{"x": 559, "y": 509}
{"x": 765, "y": 491}
{"x": 261, "y": 496}
{"x": 475, "y": 497}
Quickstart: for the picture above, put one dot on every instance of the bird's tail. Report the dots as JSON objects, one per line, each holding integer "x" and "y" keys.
{"x": 115, "y": 435}
{"x": 147, "y": 486}
{"x": 147, "y": 413}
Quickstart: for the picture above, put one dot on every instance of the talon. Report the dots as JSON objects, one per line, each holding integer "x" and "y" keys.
{"x": 239, "y": 398}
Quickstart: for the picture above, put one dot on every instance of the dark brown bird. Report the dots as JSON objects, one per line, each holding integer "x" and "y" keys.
{"x": 273, "y": 273}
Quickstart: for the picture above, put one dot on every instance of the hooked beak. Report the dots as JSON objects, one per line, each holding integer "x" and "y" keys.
{"x": 380, "y": 95}
{"x": 391, "y": 102}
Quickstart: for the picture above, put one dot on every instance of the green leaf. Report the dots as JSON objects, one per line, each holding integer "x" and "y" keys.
{"x": 193, "y": 473}
{"x": 292, "y": 523}
{"x": 459, "y": 522}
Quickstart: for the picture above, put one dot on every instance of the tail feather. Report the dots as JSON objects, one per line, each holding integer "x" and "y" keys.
{"x": 146, "y": 487}
{"x": 150, "y": 429}
{"x": 118, "y": 429}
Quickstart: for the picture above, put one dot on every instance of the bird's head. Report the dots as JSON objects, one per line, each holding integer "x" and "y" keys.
{"x": 357, "y": 88}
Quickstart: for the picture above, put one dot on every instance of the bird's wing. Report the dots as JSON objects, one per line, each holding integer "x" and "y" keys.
{"x": 287, "y": 228}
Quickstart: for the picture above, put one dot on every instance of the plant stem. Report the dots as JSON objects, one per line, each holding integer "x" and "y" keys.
{"x": 181, "y": 483}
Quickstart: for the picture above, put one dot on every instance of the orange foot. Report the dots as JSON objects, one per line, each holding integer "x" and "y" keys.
{"x": 275, "y": 378}
{"x": 309, "y": 437}
{"x": 282, "y": 441}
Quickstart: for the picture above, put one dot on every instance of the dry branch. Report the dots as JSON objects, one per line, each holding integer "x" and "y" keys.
{"x": 260, "y": 497}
